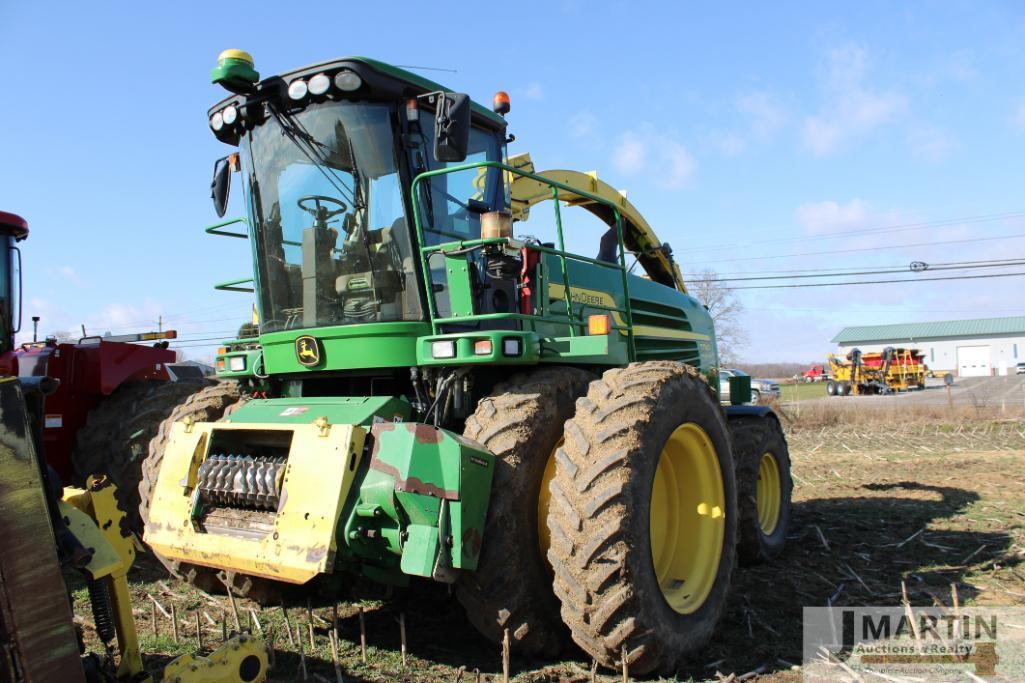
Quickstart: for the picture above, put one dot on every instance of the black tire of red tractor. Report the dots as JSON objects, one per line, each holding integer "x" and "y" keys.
{"x": 116, "y": 436}
{"x": 210, "y": 404}
{"x": 599, "y": 518}
{"x": 521, "y": 423}
{"x": 752, "y": 438}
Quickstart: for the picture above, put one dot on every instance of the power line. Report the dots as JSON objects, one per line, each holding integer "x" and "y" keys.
{"x": 879, "y": 282}
{"x": 888, "y": 247}
{"x": 696, "y": 276}
{"x": 898, "y": 227}
{"x": 904, "y": 269}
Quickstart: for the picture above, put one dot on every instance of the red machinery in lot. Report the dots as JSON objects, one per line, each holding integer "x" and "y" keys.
{"x": 113, "y": 394}
{"x": 816, "y": 373}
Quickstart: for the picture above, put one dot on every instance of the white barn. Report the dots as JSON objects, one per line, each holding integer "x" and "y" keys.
{"x": 969, "y": 348}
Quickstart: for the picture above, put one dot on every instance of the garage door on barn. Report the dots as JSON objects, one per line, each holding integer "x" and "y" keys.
{"x": 973, "y": 361}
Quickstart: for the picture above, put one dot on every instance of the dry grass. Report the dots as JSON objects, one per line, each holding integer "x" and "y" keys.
{"x": 820, "y": 414}
{"x": 926, "y": 501}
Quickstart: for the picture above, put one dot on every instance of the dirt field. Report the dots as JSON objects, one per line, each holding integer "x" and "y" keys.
{"x": 932, "y": 503}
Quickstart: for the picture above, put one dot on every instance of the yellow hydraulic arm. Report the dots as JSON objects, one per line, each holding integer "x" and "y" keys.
{"x": 638, "y": 236}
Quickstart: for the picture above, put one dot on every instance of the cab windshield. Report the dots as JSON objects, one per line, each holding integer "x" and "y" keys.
{"x": 332, "y": 245}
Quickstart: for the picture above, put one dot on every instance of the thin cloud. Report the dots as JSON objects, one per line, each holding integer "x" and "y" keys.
{"x": 661, "y": 156}
{"x": 930, "y": 142}
{"x": 851, "y": 105}
{"x": 765, "y": 115}
{"x": 583, "y": 124}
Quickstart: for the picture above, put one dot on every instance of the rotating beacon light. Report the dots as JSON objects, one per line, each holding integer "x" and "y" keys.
{"x": 235, "y": 72}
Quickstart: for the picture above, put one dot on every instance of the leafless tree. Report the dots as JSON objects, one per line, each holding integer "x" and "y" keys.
{"x": 63, "y": 336}
{"x": 727, "y": 312}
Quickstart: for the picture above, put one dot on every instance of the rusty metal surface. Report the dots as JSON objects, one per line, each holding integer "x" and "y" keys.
{"x": 37, "y": 638}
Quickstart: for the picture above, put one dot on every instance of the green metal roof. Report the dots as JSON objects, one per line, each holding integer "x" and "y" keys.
{"x": 945, "y": 328}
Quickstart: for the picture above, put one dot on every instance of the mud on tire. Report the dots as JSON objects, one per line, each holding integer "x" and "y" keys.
{"x": 599, "y": 519}
{"x": 520, "y": 422}
{"x": 117, "y": 432}
{"x": 210, "y": 404}
{"x": 754, "y": 437}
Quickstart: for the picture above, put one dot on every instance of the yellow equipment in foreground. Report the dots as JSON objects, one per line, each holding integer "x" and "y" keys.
{"x": 884, "y": 372}
{"x": 96, "y": 522}
{"x": 43, "y": 527}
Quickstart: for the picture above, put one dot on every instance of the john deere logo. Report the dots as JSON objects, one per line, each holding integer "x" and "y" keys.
{"x": 307, "y": 350}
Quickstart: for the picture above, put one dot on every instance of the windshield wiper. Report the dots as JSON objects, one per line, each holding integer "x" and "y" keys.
{"x": 298, "y": 135}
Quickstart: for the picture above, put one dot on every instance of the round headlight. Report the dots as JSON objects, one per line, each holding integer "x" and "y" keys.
{"x": 348, "y": 80}
{"x": 230, "y": 114}
{"x": 217, "y": 121}
{"x": 297, "y": 89}
{"x": 319, "y": 84}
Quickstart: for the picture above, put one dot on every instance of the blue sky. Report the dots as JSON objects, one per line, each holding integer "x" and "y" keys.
{"x": 741, "y": 131}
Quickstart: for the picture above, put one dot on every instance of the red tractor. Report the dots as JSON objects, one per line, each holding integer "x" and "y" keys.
{"x": 113, "y": 393}
{"x": 816, "y": 373}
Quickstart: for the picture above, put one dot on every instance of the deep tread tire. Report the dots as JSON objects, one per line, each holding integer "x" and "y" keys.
{"x": 520, "y": 422}
{"x": 210, "y": 404}
{"x": 117, "y": 432}
{"x": 752, "y": 438}
{"x": 599, "y": 516}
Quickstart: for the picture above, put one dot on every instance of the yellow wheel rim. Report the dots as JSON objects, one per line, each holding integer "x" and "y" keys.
{"x": 767, "y": 493}
{"x": 687, "y": 518}
{"x": 544, "y": 499}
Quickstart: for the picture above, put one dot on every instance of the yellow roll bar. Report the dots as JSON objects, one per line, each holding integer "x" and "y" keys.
{"x": 638, "y": 237}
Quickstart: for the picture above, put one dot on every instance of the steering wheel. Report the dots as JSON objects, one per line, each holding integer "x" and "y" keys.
{"x": 319, "y": 209}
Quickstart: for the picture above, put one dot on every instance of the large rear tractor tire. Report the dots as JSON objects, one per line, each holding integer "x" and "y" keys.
{"x": 117, "y": 432}
{"x": 764, "y": 487}
{"x": 643, "y": 517}
{"x": 207, "y": 405}
{"x": 521, "y": 423}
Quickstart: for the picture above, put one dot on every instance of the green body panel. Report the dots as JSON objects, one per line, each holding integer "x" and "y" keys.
{"x": 346, "y": 347}
{"x": 460, "y": 289}
{"x": 354, "y": 410}
{"x": 740, "y": 389}
{"x": 529, "y": 344}
{"x": 251, "y": 358}
{"x": 429, "y": 483}
{"x": 427, "y": 84}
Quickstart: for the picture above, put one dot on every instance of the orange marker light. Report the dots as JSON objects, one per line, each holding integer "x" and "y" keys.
{"x": 482, "y": 347}
{"x": 598, "y": 324}
{"x": 500, "y": 103}
{"x": 220, "y": 365}
{"x": 221, "y": 350}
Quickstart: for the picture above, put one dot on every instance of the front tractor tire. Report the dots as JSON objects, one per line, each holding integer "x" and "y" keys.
{"x": 210, "y": 404}
{"x": 764, "y": 487}
{"x": 643, "y": 517}
{"x": 521, "y": 423}
{"x": 116, "y": 436}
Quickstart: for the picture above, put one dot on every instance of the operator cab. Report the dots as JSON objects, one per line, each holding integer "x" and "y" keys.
{"x": 13, "y": 229}
{"x": 328, "y": 154}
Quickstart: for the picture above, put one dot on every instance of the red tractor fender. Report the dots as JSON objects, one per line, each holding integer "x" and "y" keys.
{"x": 88, "y": 371}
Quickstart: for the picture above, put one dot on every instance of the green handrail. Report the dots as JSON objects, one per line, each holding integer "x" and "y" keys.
{"x": 425, "y": 251}
{"x": 217, "y": 229}
{"x": 232, "y": 285}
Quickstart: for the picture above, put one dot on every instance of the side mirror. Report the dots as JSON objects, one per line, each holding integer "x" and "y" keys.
{"x": 221, "y": 185}
{"x": 452, "y": 127}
